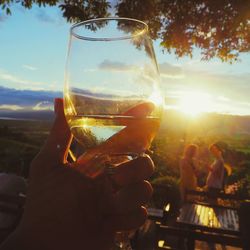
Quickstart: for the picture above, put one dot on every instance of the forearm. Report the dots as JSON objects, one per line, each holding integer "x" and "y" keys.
{"x": 22, "y": 239}
{"x": 16, "y": 241}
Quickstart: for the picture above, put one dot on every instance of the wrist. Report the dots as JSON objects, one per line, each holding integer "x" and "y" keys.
{"x": 50, "y": 238}
{"x": 17, "y": 240}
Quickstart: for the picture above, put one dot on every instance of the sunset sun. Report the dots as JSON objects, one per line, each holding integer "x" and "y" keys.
{"x": 194, "y": 103}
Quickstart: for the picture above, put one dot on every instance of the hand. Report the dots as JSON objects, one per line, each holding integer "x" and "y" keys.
{"x": 66, "y": 210}
{"x": 135, "y": 137}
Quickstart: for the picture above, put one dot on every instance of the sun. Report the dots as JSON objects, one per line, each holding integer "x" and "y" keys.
{"x": 156, "y": 98}
{"x": 194, "y": 103}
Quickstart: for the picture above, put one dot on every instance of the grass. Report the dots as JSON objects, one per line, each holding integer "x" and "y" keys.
{"x": 20, "y": 141}
{"x": 13, "y": 144}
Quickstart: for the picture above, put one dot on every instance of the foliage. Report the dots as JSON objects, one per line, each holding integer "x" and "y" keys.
{"x": 166, "y": 190}
{"x": 6, "y": 4}
{"x": 240, "y": 172}
{"x": 167, "y": 181}
{"x": 81, "y": 10}
{"x": 239, "y": 181}
{"x": 219, "y": 28}
{"x": 20, "y": 141}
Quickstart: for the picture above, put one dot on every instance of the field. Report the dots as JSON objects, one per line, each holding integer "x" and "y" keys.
{"x": 20, "y": 141}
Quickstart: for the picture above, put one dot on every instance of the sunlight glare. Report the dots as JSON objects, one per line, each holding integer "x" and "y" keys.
{"x": 194, "y": 103}
{"x": 156, "y": 98}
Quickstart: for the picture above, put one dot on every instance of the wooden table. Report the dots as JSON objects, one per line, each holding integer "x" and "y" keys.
{"x": 208, "y": 217}
{"x": 202, "y": 222}
{"x": 210, "y": 223}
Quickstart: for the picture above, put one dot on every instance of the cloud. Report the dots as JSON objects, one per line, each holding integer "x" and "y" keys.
{"x": 145, "y": 73}
{"x": 29, "y": 67}
{"x": 11, "y": 107}
{"x": 27, "y": 98}
{"x": 43, "y": 16}
{"x": 15, "y": 79}
{"x": 233, "y": 86}
{"x": 170, "y": 71}
{"x": 44, "y": 105}
{"x": 116, "y": 66}
{"x": 11, "y": 78}
{"x": 223, "y": 99}
{"x": 230, "y": 91}
{"x": 221, "y": 84}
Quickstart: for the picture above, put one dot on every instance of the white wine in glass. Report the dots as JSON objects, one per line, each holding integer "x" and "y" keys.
{"x": 112, "y": 99}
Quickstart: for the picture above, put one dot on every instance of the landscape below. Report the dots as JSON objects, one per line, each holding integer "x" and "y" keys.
{"x": 22, "y": 133}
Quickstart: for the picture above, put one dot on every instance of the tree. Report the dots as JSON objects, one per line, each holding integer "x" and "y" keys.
{"x": 73, "y": 10}
{"x": 219, "y": 28}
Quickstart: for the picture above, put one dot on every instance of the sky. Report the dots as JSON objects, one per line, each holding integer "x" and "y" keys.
{"x": 33, "y": 48}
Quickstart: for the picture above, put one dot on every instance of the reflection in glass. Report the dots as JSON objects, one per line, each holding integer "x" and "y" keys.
{"x": 111, "y": 70}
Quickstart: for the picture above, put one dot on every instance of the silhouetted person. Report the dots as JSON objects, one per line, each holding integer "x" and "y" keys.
{"x": 188, "y": 171}
{"x": 215, "y": 178}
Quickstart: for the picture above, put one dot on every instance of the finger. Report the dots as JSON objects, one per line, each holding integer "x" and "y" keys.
{"x": 133, "y": 171}
{"x": 57, "y": 145}
{"x": 129, "y": 139}
{"x": 135, "y": 138}
{"x": 129, "y": 221}
{"x": 141, "y": 110}
{"x": 132, "y": 197}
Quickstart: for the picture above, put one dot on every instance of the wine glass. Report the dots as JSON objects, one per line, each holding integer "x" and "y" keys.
{"x": 112, "y": 98}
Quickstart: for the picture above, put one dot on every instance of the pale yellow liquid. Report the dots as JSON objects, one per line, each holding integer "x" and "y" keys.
{"x": 112, "y": 139}
{"x": 108, "y": 139}
{"x": 114, "y": 134}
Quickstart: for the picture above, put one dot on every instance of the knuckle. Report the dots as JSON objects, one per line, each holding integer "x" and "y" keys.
{"x": 148, "y": 189}
{"x": 147, "y": 166}
{"x": 144, "y": 191}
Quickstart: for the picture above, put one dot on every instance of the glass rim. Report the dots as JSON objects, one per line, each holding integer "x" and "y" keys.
{"x": 88, "y": 38}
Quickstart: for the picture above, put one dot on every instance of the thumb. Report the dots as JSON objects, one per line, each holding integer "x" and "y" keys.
{"x": 57, "y": 145}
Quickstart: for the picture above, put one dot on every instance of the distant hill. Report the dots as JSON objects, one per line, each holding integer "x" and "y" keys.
{"x": 206, "y": 123}
{"x": 38, "y": 105}
{"x": 27, "y": 104}
{"x": 45, "y": 115}
{"x": 26, "y": 98}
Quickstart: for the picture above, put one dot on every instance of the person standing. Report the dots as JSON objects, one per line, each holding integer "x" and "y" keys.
{"x": 215, "y": 178}
{"x": 188, "y": 171}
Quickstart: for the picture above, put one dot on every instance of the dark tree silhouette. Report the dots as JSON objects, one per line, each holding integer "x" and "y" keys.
{"x": 81, "y": 10}
{"x": 219, "y": 28}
